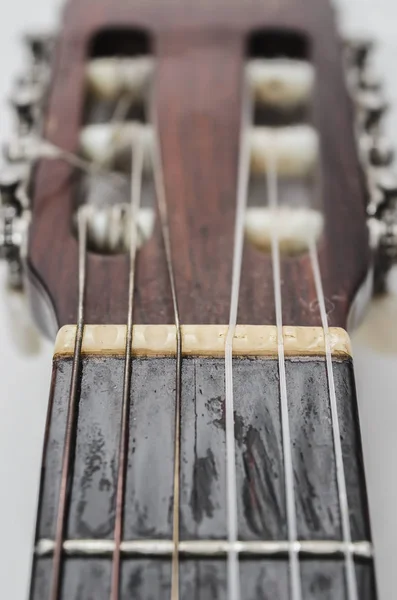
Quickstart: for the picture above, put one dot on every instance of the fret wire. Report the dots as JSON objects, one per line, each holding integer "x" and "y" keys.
{"x": 351, "y": 582}
{"x": 136, "y": 193}
{"x": 233, "y": 574}
{"x": 68, "y": 451}
{"x": 210, "y": 548}
{"x": 163, "y": 212}
{"x": 295, "y": 576}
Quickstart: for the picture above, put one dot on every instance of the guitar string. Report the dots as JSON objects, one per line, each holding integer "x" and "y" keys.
{"x": 233, "y": 573}
{"x": 165, "y": 228}
{"x": 136, "y": 195}
{"x": 71, "y": 419}
{"x": 351, "y": 581}
{"x": 294, "y": 567}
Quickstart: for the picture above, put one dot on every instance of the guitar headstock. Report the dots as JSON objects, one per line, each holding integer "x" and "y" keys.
{"x": 212, "y": 87}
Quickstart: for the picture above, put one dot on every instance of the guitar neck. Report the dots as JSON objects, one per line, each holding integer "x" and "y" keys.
{"x": 332, "y": 531}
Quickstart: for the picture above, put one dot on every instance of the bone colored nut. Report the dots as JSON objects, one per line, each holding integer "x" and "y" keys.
{"x": 295, "y": 149}
{"x": 294, "y": 228}
{"x": 109, "y": 77}
{"x": 203, "y": 340}
{"x": 282, "y": 83}
{"x": 101, "y": 143}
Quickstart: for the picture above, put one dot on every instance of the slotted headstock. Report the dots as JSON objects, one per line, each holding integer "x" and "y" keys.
{"x": 188, "y": 64}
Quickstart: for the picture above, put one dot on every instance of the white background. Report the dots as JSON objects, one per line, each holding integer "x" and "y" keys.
{"x": 25, "y": 359}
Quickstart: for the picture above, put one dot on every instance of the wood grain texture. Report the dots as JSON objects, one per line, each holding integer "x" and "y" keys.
{"x": 200, "y": 52}
{"x": 260, "y": 475}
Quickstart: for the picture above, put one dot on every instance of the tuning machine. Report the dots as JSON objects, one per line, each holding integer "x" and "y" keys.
{"x": 26, "y": 100}
{"x": 357, "y": 51}
{"x": 14, "y": 219}
{"x": 382, "y": 220}
{"x": 378, "y": 150}
{"x": 41, "y": 46}
{"x": 376, "y": 153}
{"x": 371, "y": 107}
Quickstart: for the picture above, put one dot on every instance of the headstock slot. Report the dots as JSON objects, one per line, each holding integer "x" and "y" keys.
{"x": 119, "y": 71}
{"x": 273, "y": 43}
{"x": 114, "y": 56}
{"x": 282, "y": 80}
{"x": 281, "y": 74}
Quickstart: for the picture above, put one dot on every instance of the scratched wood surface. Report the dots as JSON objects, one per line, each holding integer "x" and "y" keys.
{"x": 149, "y": 483}
{"x": 200, "y": 51}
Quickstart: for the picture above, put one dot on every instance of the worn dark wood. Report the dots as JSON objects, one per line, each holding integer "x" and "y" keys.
{"x": 200, "y": 51}
{"x": 260, "y": 475}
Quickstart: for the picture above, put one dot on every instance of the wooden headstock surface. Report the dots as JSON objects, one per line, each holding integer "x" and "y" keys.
{"x": 200, "y": 50}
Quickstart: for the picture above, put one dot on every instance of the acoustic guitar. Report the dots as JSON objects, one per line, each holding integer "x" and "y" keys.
{"x": 199, "y": 204}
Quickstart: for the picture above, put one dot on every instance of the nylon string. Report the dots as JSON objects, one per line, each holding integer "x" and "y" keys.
{"x": 165, "y": 228}
{"x": 70, "y": 437}
{"x": 233, "y": 573}
{"x": 351, "y": 581}
{"x": 294, "y": 567}
{"x": 136, "y": 195}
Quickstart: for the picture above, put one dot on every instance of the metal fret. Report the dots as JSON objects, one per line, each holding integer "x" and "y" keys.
{"x": 207, "y": 548}
{"x": 70, "y": 437}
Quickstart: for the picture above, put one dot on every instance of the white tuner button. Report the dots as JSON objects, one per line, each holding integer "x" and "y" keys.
{"x": 295, "y": 149}
{"x": 282, "y": 83}
{"x": 102, "y": 144}
{"x": 109, "y": 77}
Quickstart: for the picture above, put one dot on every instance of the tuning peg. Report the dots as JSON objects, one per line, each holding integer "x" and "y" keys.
{"x": 377, "y": 151}
{"x": 41, "y": 45}
{"x": 368, "y": 79}
{"x": 383, "y": 236}
{"x": 28, "y": 148}
{"x": 381, "y": 153}
{"x": 25, "y": 100}
{"x": 389, "y": 241}
{"x": 386, "y": 181}
{"x": 13, "y": 221}
{"x": 372, "y": 107}
{"x": 383, "y": 241}
{"x": 383, "y": 188}
{"x": 12, "y": 179}
{"x": 358, "y": 51}
{"x": 13, "y": 235}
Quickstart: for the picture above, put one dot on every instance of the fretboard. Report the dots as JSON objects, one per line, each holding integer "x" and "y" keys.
{"x": 264, "y": 539}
